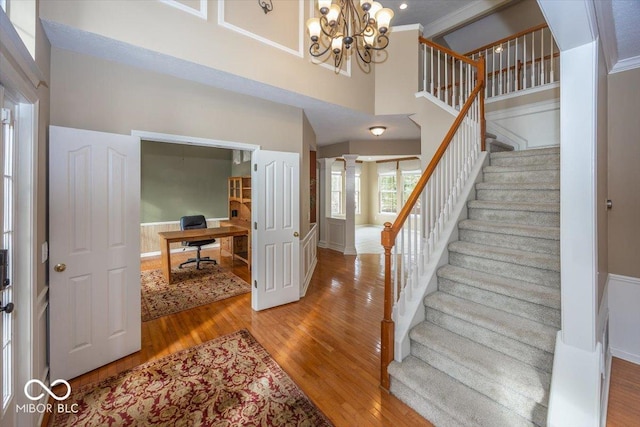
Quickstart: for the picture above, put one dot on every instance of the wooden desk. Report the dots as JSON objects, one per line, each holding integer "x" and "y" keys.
{"x": 168, "y": 237}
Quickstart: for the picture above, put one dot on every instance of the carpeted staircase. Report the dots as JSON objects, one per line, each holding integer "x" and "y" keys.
{"x": 484, "y": 354}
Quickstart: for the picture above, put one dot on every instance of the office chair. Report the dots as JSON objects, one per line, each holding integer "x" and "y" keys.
{"x": 191, "y": 222}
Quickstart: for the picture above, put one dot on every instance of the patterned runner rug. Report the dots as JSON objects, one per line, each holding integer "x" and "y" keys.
{"x": 190, "y": 288}
{"x": 229, "y": 381}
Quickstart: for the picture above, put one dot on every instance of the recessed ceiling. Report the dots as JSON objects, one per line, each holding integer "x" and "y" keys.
{"x": 618, "y": 25}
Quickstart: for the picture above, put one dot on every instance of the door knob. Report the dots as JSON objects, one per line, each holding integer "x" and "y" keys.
{"x": 7, "y": 308}
{"x": 295, "y": 234}
{"x": 60, "y": 268}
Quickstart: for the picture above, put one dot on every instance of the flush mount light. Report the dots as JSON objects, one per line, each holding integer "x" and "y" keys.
{"x": 403, "y": 6}
{"x": 498, "y": 49}
{"x": 377, "y": 130}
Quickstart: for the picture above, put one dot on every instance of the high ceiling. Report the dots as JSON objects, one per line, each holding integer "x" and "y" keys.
{"x": 618, "y": 22}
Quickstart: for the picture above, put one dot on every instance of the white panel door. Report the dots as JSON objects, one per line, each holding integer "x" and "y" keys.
{"x": 94, "y": 293}
{"x": 276, "y": 241}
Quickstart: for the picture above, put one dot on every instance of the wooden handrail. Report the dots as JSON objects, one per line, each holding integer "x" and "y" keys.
{"x": 422, "y": 182}
{"x": 506, "y": 39}
{"x": 448, "y": 51}
{"x": 390, "y": 232}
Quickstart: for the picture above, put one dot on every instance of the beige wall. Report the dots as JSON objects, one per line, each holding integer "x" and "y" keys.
{"x": 365, "y": 195}
{"x": 161, "y": 28}
{"x": 397, "y": 79}
{"x": 623, "y": 175}
{"x": 91, "y": 93}
{"x": 386, "y": 147}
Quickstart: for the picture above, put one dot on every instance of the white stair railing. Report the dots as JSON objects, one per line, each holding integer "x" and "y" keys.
{"x": 409, "y": 242}
{"x": 446, "y": 75}
{"x": 525, "y": 60}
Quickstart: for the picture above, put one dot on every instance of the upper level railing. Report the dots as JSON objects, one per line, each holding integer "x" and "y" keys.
{"x": 447, "y": 75}
{"x": 524, "y": 60}
{"x": 409, "y": 242}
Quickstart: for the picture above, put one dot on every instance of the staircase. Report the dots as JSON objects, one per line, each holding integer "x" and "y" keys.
{"x": 484, "y": 354}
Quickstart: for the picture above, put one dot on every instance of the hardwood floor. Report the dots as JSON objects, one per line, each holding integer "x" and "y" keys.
{"x": 328, "y": 342}
{"x": 624, "y": 394}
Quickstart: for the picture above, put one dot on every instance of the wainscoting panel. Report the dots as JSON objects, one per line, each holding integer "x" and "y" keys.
{"x": 624, "y": 317}
{"x": 336, "y": 234}
{"x": 308, "y": 257}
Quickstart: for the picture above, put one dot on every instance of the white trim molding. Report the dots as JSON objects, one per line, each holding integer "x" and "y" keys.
{"x": 200, "y": 13}
{"x": 192, "y": 140}
{"x": 299, "y": 52}
{"x": 624, "y": 300}
{"x": 308, "y": 258}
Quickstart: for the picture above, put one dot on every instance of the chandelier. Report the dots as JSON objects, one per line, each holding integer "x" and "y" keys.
{"x": 344, "y": 27}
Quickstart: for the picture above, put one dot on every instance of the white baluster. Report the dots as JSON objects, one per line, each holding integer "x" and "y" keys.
{"x": 432, "y": 72}
{"x": 524, "y": 59}
{"x": 533, "y": 60}
{"x": 542, "y": 76}
{"x": 508, "y": 66}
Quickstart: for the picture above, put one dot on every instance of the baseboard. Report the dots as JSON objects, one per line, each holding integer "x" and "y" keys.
{"x": 629, "y": 357}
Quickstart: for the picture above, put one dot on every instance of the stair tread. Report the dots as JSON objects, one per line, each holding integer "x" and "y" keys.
{"x": 518, "y": 289}
{"x": 514, "y": 206}
{"x": 518, "y": 186}
{"x": 462, "y": 403}
{"x": 515, "y": 327}
{"x": 541, "y": 232}
{"x": 513, "y": 256}
{"x": 532, "y": 152}
{"x": 495, "y": 366}
{"x": 520, "y": 168}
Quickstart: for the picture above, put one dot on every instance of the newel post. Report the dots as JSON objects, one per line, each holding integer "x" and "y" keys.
{"x": 388, "y": 327}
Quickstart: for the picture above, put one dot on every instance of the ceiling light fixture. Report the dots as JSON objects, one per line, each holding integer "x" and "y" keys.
{"x": 343, "y": 26}
{"x": 498, "y": 49}
{"x": 403, "y": 6}
{"x": 377, "y": 130}
{"x": 266, "y": 6}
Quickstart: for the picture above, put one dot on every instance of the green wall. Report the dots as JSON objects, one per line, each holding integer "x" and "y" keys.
{"x": 180, "y": 180}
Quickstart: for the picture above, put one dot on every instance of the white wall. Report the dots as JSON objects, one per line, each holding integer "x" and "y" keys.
{"x": 624, "y": 317}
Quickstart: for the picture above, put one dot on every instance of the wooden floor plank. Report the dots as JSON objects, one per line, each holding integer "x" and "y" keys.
{"x": 329, "y": 342}
{"x": 624, "y": 394}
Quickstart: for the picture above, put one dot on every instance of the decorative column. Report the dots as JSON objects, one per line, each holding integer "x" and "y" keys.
{"x": 350, "y": 204}
{"x": 323, "y": 200}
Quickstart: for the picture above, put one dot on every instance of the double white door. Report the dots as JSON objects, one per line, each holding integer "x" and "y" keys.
{"x": 94, "y": 244}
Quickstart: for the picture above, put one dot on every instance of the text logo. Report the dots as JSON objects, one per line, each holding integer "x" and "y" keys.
{"x": 47, "y": 389}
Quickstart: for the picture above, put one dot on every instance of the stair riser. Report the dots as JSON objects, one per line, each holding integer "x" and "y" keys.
{"x": 545, "y": 219}
{"x": 421, "y": 405}
{"x": 529, "y": 196}
{"x": 506, "y": 269}
{"x": 534, "y": 356}
{"x": 519, "y": 307}
{"x": 523, "y": 176}
{"x": 531, "y": 244}
{"x": 501, "y": 393}
{"x": 552, "y": 160}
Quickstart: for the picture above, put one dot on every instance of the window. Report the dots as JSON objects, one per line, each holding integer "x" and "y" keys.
{"x": 409, "y": 181}
{"x": 337, "y": 205}
{"x": 387, "y": 193}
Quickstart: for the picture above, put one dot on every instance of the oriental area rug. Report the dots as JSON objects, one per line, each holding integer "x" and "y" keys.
{"x": 229, "y": 381}
{"x": 189, "y": 288}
